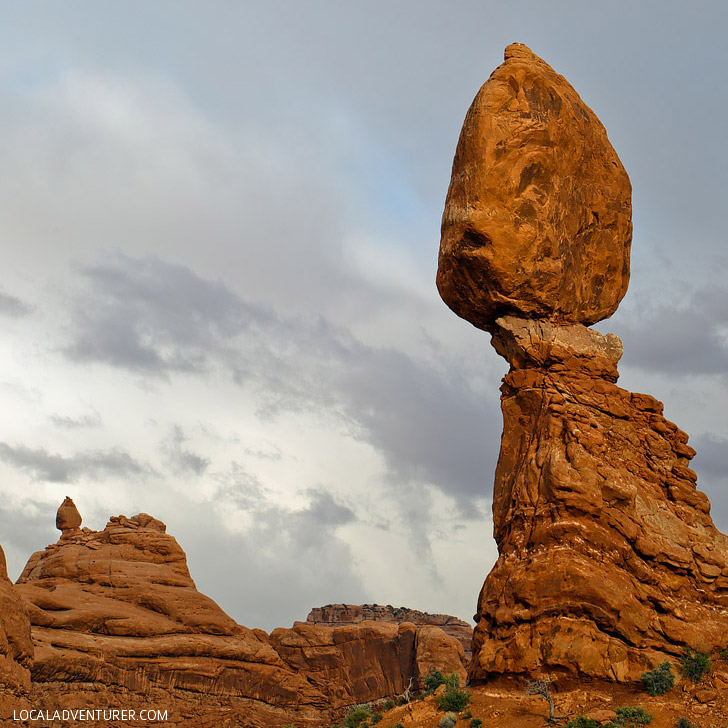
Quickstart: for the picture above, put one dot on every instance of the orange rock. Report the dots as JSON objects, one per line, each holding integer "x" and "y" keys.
{"x": 537, "y": 221}
{"x": 68, "y": 519}
{"x": 333, "y": 615}
{"x": 609, "y": 562}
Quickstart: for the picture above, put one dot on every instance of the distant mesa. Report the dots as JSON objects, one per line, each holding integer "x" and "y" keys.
{"x": 537, "y": 221}
{"x": 333, "y": 615}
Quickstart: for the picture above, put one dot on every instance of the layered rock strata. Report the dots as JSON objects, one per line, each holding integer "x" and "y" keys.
{"x": 608, "y": 558}
{"x": 333, "y": 615}
{"x": 118, "y": 623}
{"x": 116, "y": 611}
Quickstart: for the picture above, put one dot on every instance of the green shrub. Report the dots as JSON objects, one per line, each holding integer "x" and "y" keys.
{"x": 467, "y": 715}
{"x": 685, "y": 723}
{"x": 356, "y": 716}
{"x": 448, "y": 720}
{"x": 433, "y": 680}
{"x": 723, "y": 654}
{"x": 659, "y": 680}
{"x": 397, "y": 725}
{"x": 630, "y": 717}
{"x": 694, "y": 664}
{"x": 476, "y": 723}
{"x": 453, "y": 698}
{"x": 582, "y": 722}
{"x": 388, "y": 704}
{"x": 376, "y": 717}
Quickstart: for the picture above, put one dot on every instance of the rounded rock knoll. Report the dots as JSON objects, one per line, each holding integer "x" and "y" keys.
{"x": 537, "y": 221}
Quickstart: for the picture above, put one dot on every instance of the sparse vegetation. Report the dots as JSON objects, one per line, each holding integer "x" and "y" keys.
{"x": 453, "y": 698}
{"x": 388, "y": 704}
{"x": 659, "y": 680}
{"x": 685, "y": 723}
{"x": 694, "y": 664}
{"x": 476, "y": 723}
{"x": 541, "y": 687}
{"x": 630, "y": 717}
{"x": 723, "y": 654}
{"x": 376, "y": 717}
{"x": 433, "y": 680}
{"x": 357, "y": 716}
{"x": 448, "y": 720}
{"x": 582, "y": 722}
{"x": 467, "y": 715}
{"x": 397, "y": 725}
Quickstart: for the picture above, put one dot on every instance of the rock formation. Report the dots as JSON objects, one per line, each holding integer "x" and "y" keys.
{"x": 16, "y": 647}
{"x": 117, "y": 622}
{"x": 116, "y": 610}
{"x": 333, "y": 615}
{"x": 537, "y": 220}
{"x": 68, "y": 519}
{"x": 356, "y": 663}
{"x": 608, "y": 558}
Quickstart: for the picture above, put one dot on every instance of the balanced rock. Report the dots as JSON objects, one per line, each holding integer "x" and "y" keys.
{"x": 68, "y": 519}
{"x": 537, "y": 221}
{"x": 334, "y": 615}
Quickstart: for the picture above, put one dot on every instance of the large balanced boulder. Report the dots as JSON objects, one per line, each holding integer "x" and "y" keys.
{"x": 537, "y": 221}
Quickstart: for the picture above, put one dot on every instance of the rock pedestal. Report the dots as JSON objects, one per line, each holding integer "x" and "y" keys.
{"x": 609, "y": 562}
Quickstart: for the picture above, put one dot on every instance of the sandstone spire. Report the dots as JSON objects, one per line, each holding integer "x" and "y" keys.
{"x": 608, "y": 560}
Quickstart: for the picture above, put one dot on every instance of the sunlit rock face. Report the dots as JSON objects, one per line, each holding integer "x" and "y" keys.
{"x": 609, "y": 561}
{"x": 537, "y": 221}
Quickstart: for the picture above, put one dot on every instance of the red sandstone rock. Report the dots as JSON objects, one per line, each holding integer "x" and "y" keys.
{"x": 333, "y": 615}
{"x": 537, "y": 221}
{"x": 609, "y": 561}
{"x": 68, "y": 519}
{"x": 358, "y": 663}
{"x": 16, "y": 647}
{"x": 116, "y": 610}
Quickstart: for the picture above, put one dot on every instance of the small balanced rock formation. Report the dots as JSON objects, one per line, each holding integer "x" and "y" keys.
{"x": 116, "y": 620}
{"x": 609, "y": 562}
{"x": 333, "y": 615}
{"x": 68, "y": 519}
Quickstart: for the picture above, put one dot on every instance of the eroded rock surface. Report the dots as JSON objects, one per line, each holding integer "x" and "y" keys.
{"x": 357, "y": 663}
{"x": 16, "y": 647}
{"x": 609, "y": 561}
{"x": 116, "y": 616}
{"x": 333, "y": 615}
{"x": 537, "y": 221}
{"x": 68, "y": 519}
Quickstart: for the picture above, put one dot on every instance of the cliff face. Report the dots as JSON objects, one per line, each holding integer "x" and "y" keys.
{"x": 608, "y": 558}
{"x": 16, "y": 647}
{"x": 117, "y": 622}
{"x": 333, "y": 615}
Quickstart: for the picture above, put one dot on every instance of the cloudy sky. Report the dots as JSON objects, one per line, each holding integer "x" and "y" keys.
{"x": 220, "y": 225}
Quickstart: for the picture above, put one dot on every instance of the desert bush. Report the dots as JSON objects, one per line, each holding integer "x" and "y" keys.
{"x": 659, "y": 680}
{"x": 433, "y": 680}
{"x": 476, "y": 723}
{"x": 467, "y": 715}
{"x": 356, "y": 716}
{"x": 723, "y": 654}
{"x": 376, "y": 717}
{"x": 582, "y": 722}
{"x": 694, "y": 664}
{"x": 453, "y": 698}
{"x": 630, "y": 717}
{"x": 448, "y": 720}
{"x": 388, "y": 704}
{"x": 542, "y": 688}
{"x": 684, "y": 723}
{"x": 397, "y": 725}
